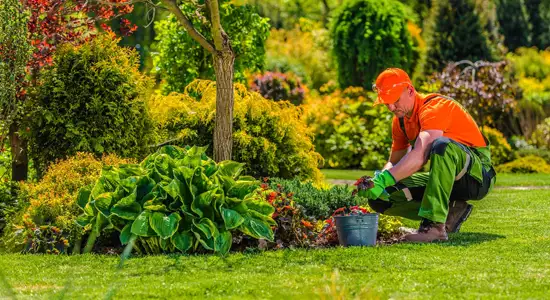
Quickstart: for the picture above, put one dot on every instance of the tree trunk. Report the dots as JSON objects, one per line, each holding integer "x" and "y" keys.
{"x": 19, "y": 159}
{"x": 223, "y": 129}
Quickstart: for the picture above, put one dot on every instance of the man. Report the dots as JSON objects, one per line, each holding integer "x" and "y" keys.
{"x": 435, "y": 128}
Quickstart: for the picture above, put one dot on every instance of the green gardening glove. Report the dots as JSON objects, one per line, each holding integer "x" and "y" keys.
{"x": 381, "y": 181}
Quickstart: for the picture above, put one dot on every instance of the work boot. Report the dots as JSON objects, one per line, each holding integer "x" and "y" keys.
{"x": 428, "y": 232}
{"x": 459, "y": 211}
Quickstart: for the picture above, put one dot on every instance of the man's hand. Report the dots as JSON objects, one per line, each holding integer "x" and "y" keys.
{"x": 381, "y": 181}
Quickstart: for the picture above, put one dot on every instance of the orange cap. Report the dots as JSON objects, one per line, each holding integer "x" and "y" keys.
{"x": 389, "y": 85}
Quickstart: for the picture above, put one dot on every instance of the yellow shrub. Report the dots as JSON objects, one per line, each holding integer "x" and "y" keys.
{"x": 527, "y": 164}
{"x": 501, "y": 151}
{"x": 269, "y": 137}
{"x": 52, "y": 200}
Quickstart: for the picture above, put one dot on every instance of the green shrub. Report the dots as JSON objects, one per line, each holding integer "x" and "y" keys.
{"x": 50, "y": 204}
{"x": 527, "y": 164}
{"x": 542, "y": 153}
{"x": 541, "y": 136}
{"x": 453, "y": 32}
{"x": 268, "y": 136}
{"x": 349, "y": 131}
{"x": 9, "y": 202}
{"x": 501, "y": 151}
{"x": 514, "y": 23}
{"x": 539, "y": 16}
{"x": 91, "y": 100}
{"x": 175, "y": 200}
{"x": 368, "y": 37}
{"x": 320, "y": 204}
{"x": 180, "y": 59}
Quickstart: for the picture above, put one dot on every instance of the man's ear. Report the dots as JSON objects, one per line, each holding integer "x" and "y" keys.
{"x": 411, "y": 90}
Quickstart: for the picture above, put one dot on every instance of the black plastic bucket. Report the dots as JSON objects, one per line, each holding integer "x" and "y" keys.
{"x": 357, "y": 230}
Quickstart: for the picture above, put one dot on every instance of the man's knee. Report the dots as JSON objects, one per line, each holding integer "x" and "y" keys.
{"x": 379, "y": 206}
{"x": 439, "y": 145}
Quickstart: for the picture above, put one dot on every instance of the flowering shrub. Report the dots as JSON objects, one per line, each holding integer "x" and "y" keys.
{"x": 279, "y": 86}
{"x": 541, "y": 136}
{"x": 349, "y": 131}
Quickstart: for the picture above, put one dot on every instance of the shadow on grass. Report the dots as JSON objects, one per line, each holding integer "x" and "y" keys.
{"x": 470, "y": 238}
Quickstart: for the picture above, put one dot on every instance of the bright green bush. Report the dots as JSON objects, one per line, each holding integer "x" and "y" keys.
{"x": 541, "y": 136}
{"x": 501, "y": 151}
{"x": 368, "y": 37}
{"x": 50, "y": 204}
{"x": 349, "y": 131}
{"x": 527, "y": 164}
{"x": 180, "y": 59}
{"x": 453, "y": 32}
{"x": 175, "y": 200}
{"x": 91, "y": 100}
{"x": 269, "y": 137}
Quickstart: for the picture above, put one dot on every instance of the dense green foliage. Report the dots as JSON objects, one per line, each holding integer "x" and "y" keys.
{"x": 453, "y": 32}
{"x": 514, "y": 23}
{"x": 15, "y": 52}
{"x": 349, "y": 131}
{"x": 539, "y": 16}
{"x": 269, "y": 137}
{"x": 175, "y": 200}
{"x": 542, "y": 153}
{"x": 91, "y": 99}
{"x": 368, "y": 37}
{"x": 180, "y": 59}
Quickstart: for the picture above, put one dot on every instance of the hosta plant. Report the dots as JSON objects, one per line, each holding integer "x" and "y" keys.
{"x": 176, "y": 199}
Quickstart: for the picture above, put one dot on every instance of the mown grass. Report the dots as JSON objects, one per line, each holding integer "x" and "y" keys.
{"x": 503, "y": 179}
{"x": 503, "y": 251}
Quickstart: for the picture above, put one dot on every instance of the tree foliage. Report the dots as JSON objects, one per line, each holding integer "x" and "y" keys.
{"x": 368, "y": 37}
{"x": 514, "y": 23}
{"x": 453, "y": 32}
{"x": 180, "y": 59}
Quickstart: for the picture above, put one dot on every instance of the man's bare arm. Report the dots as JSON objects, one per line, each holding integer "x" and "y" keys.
{"x": 395, "y": 157}
{"x": 413, "y": 161}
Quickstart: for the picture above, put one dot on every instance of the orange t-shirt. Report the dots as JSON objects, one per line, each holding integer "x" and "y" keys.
{"x": 441, "y": 114}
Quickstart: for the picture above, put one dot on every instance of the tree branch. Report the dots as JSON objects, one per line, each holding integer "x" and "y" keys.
{"x": 173, "y": 7}
{"x": 217, "y": 30}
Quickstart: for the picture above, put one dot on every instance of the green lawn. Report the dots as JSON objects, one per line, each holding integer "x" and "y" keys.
{"x": 503, "y": 251}
{"x": 502, "y": 179}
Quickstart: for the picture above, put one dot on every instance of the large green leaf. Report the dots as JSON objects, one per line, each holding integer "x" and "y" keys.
{"x": 83, "y": 196}
{"x": 164, "y": 167}
{"x": 202, "y": 205}
{"x": 130, "y": 170}
{"x": 127, "y": 212}
{"x": 141, "y": 227}
{"x": 155, "y": 205}
{"x": 172, "y": 151}
{"x": 144, "y": 186}
{"x": 206, "y": 242}
{"x": 231, "y": 218}
{"x": 165, "y": 226}
{"x": 261, "y": 206}
{"x": 184, "y": 175}
{"x": 257, "y": 215}
{"x": 242, "y": 188}
{"x": 84, "y": 219}
{"x": 182, "y": 240}
{"x": 125, "y": 234}
{"x": 222, "y": 243}
{"x": 103, "y": 203}
{"x": 230, "y": 168}
{"x": 227, "y": 182}
{"x": 210, "y": 168}
{"x": 207, "y": 227}
{"x": 257, "y": 228}
{"x": 174, "y": 188}
{"x": 99, "y": 187}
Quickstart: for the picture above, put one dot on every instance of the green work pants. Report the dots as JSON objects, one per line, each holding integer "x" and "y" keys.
{"x": 427, "y": 194}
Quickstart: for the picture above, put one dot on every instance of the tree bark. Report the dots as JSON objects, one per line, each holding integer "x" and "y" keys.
{"x": 19, "y": 159}
{"x": 223, "y": 129}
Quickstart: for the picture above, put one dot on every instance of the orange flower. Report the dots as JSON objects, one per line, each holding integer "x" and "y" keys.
{"x": 307, "y": 224}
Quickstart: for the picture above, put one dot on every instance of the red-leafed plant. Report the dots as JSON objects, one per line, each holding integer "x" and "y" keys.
{"x": 328, "y": 234}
